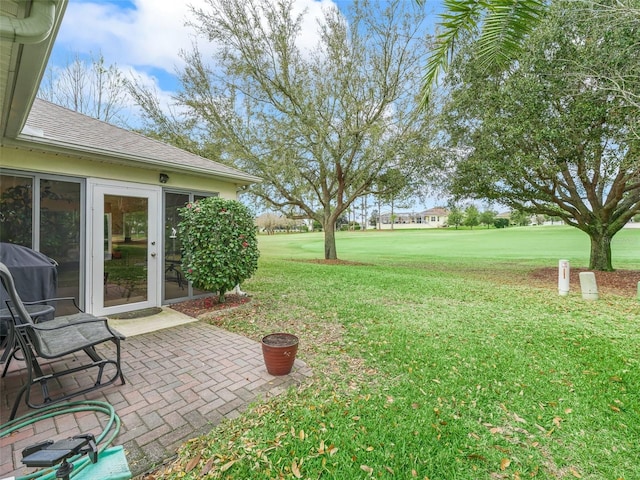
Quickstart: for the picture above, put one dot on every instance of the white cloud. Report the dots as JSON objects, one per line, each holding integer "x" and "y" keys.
{"x": 151, "y": 35}
{"x": 144, "y": 38}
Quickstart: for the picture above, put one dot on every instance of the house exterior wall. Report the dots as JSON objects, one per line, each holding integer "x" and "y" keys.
{"x": 40, "y": 162}
{"x": 424, "y": 219}
{"x": 92, "y": 172}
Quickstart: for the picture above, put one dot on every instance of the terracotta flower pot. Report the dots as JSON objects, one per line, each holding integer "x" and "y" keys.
{"x": 279, "y": 352}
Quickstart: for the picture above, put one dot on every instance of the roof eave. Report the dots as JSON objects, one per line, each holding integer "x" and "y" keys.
{"x": 62, "y": 148}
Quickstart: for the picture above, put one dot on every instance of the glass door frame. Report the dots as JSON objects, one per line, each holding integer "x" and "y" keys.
{"x": 95, "y": 241}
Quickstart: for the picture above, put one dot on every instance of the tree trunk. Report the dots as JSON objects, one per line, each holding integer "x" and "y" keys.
{"x": 600, "y": 252}
{"x": 393, "y": 220}
{"x": 330, "y": 241}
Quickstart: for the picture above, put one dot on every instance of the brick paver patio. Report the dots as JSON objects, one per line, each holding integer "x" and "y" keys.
{"x": 181, "y": 381}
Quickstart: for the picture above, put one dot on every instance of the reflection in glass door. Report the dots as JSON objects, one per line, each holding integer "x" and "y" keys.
{"x": 125, "y": 249}
{"x": 57, "y": 209}
{"x": 175, "y": 285}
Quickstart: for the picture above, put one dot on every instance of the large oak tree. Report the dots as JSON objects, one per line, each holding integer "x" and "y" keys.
{"x": 544, "y": 136}
{"x": 317, "y": 124}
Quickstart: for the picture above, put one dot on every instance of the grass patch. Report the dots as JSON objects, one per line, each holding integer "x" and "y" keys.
{"x": 435, "y": 358}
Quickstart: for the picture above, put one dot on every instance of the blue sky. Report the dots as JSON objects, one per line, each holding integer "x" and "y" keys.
{"x": 144, "y": 37}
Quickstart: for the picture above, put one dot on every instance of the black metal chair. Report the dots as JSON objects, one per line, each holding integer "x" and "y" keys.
{"x": 55, "y": 339}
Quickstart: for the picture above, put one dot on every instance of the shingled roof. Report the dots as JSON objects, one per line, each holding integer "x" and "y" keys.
{"x": 60, "y": 129}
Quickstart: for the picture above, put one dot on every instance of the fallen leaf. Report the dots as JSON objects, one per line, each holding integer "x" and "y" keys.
{"x": 518, "y": 418}
{"x": 369, "y": 449}
{"x": 321, "y": 448}
{"x": 389, "y": 469}
{"x": 192, "y": 463}
{"x": 390, "y": 399}
{"x": 207, "y": 468}
{"x": 301, "y": 435}
{"x": 575, "y": 473}
{"x": 295, "y": 470}
{"x": 414, "y": 473}
{"x": 332, "y": 450}
{"x": 367, "y": 469}
{"x": 475, "y": 456}
{"x": 568, "y": 410}
{"x": 614, "y": 408}
{"x": 504, "y": 464}
{"x": 227, "y": 465}
{"x": 556, "y": 421}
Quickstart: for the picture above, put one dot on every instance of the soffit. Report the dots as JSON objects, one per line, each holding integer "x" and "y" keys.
{"x": 8, "y": 53}
{"x": 22, "y": 66}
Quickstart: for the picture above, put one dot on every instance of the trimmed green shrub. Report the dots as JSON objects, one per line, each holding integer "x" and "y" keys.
{"x": 501, "y": 222}
{"x": 219, "y": 244}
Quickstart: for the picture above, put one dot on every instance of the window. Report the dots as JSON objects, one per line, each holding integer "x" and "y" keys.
{"x": 57, "y": 231}
{"x": 175, "y": 286}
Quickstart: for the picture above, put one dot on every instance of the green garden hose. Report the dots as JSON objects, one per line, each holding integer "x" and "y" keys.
{"x": 103, "y": 441}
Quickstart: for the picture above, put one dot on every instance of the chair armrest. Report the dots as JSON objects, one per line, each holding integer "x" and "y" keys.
{"x": 47, "y": 327}
{"x": 48, "y": 300}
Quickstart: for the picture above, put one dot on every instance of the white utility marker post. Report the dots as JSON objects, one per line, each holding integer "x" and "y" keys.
{"x": 588, "y": 286}
{"x": 563, "y": 277}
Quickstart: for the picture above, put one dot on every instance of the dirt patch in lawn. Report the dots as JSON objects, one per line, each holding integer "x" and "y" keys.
{"x": 619, "y": 282}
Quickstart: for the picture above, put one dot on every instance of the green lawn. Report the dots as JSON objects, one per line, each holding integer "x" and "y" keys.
{"x": 434, "y": 357}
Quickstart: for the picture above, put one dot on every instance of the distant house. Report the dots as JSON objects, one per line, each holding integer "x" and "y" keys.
{"x": 100, "y": 200}
{"x": 432, "y": 218}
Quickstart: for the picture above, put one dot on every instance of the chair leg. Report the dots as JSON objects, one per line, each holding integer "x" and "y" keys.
{"x": 28, "y": 359}
{"x": 118, "y": 364}
{"x": 16, "y": 404}
{"x": 35, "y": 375}
{"x": 12, "y": 352}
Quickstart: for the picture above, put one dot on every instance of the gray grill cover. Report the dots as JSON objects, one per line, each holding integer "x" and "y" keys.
{"x": 35, "y": 274}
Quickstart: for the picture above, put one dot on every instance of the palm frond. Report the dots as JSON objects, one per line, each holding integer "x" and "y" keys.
{"x": 505, "y": 23}
{"x": 460, "y": 16}
{"x": 504, "y": 28}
